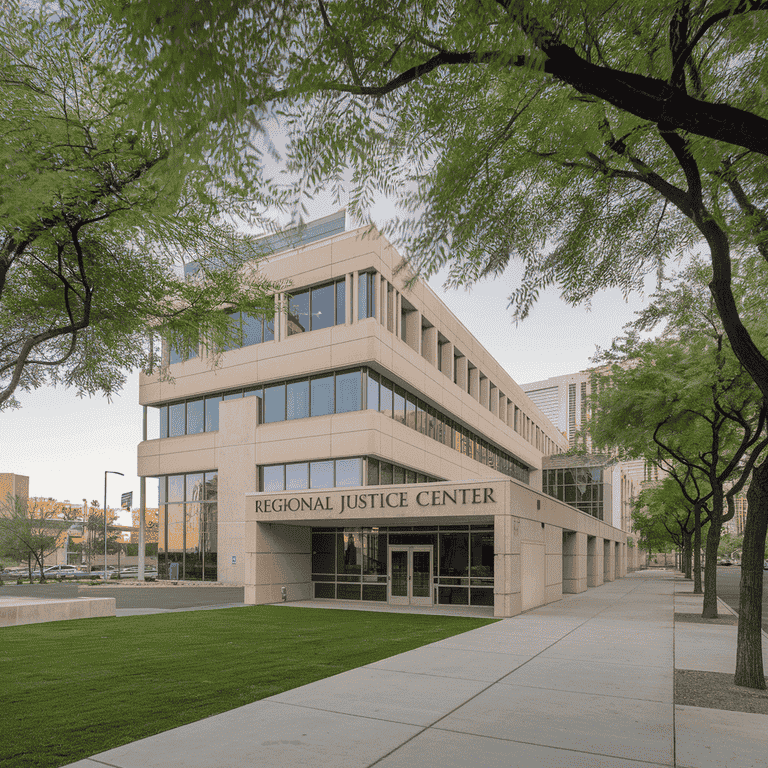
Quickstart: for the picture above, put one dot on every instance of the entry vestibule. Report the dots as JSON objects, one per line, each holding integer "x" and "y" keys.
{"x": 512, "y": 548}
{"x": 410, "y": 575}
{"x": 422, "y": 565}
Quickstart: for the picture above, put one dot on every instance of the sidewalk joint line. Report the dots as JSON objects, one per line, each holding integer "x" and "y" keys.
{"x": 490, "y": 685}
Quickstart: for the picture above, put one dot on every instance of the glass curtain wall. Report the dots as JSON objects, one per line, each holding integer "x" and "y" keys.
{"x": 188, "y": 529}
{"x": 351, "y": 563}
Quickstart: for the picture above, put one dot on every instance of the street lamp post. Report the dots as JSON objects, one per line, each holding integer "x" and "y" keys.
{"x": 107, "y": 472}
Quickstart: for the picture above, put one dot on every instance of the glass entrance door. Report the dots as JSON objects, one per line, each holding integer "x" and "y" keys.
{"x": 410, "y": 575}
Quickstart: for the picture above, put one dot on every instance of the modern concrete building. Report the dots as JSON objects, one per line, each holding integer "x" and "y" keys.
{"x": 587, "y": 480}
{"x": 363, "y": 445}
{"x": 13, "y": 485}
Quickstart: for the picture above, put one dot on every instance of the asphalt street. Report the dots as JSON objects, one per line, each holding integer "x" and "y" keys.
{"x": 728, "y": 578}
{"x": 168, "y": 598}
{"x": 180, "y": 597}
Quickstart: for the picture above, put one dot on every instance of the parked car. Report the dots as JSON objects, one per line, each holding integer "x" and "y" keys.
{"x": 765, "y": 565}
{"x": 725, "y": 561}
{"x": 132, "y": 572}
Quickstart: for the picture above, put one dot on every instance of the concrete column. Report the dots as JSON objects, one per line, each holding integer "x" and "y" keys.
{"x": 413, "y": 330}
{"x": 277, "y": 557}
{"x": 553, "y": 548}
{"x": 462, "y": 373}
{"x": 493, "y": 400}
{"x": 502, "y": 414}
{"x": 485, "y": 392}
{"x": 384, "y": 302}
{"x": 594, "y": 561}
{"x": 622, "y": 560}
{"x": 429, "y": 344}
{"x": 377, "y": 296}
{"x": 398, "y": 314}
{"x": 281, "y": 318}
{"x": 351, "y": 282}
{"x": 446, "y": 359}
{"x": 609, "y": 563}
{"x": 507, "y": 595}
{"x": 574, "y": 562}
{"x": 474, "y": 383}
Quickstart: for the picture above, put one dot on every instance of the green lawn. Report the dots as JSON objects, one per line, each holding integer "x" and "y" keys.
{"x": 74, "y": 688}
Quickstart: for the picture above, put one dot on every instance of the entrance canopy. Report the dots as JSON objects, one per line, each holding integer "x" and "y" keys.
{"x": 484, "y": 542}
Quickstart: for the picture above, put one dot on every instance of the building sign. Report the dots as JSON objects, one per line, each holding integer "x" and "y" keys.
{"x": 126, "y": 500}
{"x": 379, "y": 500}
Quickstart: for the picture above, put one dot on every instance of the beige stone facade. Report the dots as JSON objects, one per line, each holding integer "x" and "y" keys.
{"x": 420, "y": 406}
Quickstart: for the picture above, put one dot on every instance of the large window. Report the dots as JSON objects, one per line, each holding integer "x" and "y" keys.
{"x": 581, "y": 487}
{"x": 249, "y": 329}
{"x": 188, "y": 525}
{"x": 319, "y": 307}
{"x": 338, "y": 473}
{"x": 366, "y": 296}
{"x": 351, "y": 563}
{"x": 343, "y": 392}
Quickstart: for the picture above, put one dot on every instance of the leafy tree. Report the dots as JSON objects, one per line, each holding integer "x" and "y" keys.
{"x": 98, "y": 211}
{"x": 590, "y": 140}
{"x": 93, "y": 534}
{"x": 687, "y": 399}
{"x": 665, "y": 517}
{"x": 28, "y": 531}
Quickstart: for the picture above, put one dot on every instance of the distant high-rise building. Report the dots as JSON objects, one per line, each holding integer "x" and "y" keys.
{"x": 15, "y": 485}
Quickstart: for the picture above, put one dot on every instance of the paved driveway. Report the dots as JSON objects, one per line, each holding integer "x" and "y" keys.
{"x": 149, "y": 597}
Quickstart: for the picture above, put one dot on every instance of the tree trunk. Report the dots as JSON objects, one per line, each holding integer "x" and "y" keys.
{"x": 710, "y": 571}
{"x": 697, "y": 590}
{"x": 687, "y": 552}
{"x": 749, "y": 649}
{"x": 713, "y": 543}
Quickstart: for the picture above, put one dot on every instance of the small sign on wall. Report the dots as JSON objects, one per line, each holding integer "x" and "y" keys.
{"x": 234, "y": 559}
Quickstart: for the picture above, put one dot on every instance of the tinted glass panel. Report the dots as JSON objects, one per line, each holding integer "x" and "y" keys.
{"x": 211, "y": 486}
{"x": 385, "y": 398}
{"x": 454, "y": 554}
{"x": 410, "y": 411}
{"x": 234, "y": 327}
{"x": 398, "y": 475}
{"x": 212, "y": 413}
{"x": 373, "y": 472}
{"x": 349, "y": 472}
{"x": 252, "y": 329}
{"x": 322, "y": 396}
{"x": 372, "y": 393}
{"x": 348, "y": 392}
{"x": 274, "y": 403}
{"x": 176, "y": 419}
{"x": 350, "y": 554}
{"x": 195, "y": 487}
{"x": 298, "y": 313}
{"x": 269, "y": 329}
{"x": 399, "y": 405}
{"x": 163, "y": 421}
{"x": 298, "y": 400}
{"x": 482, "y": 554}
{"x": 297, "y": 476}
{"x": 323, "y": 306}
{"x": 386, "y": 474}
{"x": 323, "y": 553}
{"x": 366, "y": 304}
{"x": 176, "y": 488}
{"x": 273, "y": 478}
{"x": 195, "y": 416}
{"x": 321, "y": 474}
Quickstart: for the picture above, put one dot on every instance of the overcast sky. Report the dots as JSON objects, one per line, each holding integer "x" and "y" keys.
{"x": 65, "y": 443}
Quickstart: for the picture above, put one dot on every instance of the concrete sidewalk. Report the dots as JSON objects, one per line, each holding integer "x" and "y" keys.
{"x": 586, "y": 681}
